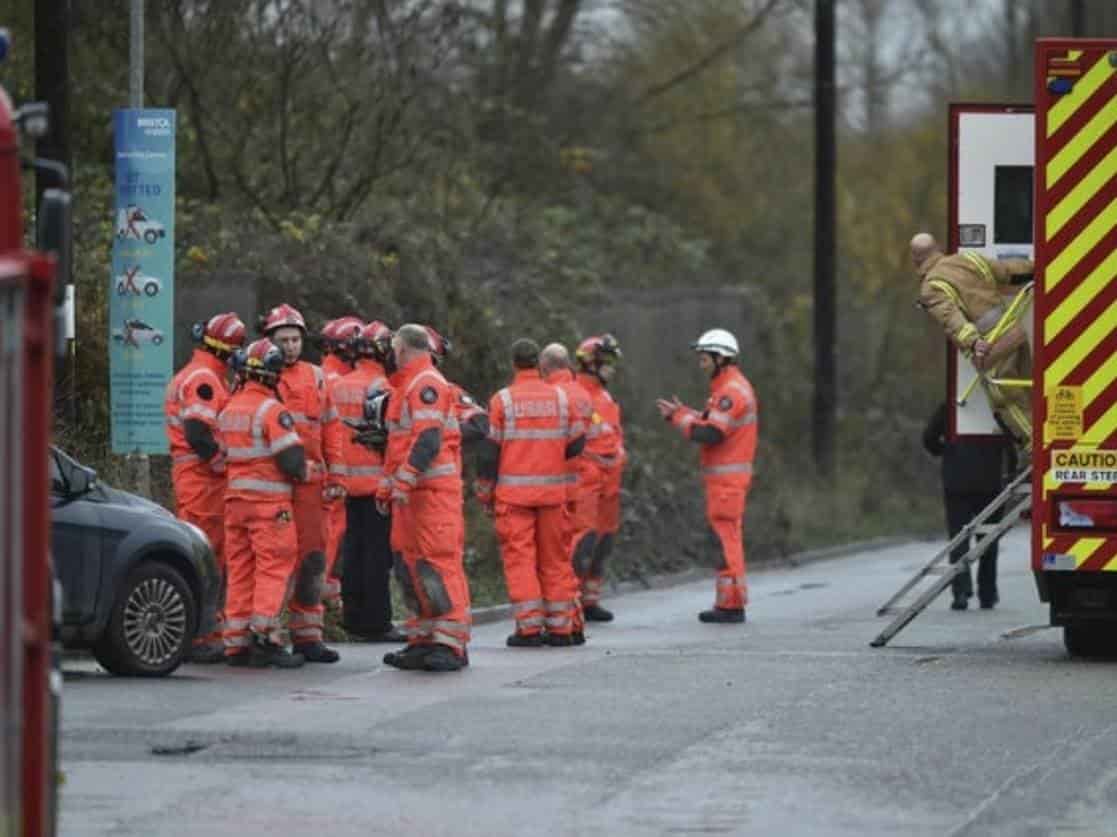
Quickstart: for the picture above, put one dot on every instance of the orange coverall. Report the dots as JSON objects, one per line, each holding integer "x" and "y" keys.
{"x": 421, "y": 467}
{"x": 333, "y": 367}
{"x": 302, "y": 388}
{"x": 260, "y": 541}
{"x": 198, "y": 394}
{"x": 537, "y": 431}
{"x": 367, "y": 558}
{"x": 602, "y": 488}
{"x": 727, "y": 473}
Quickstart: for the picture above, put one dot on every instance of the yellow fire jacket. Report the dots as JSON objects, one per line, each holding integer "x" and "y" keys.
{"x": 963, "y": 292}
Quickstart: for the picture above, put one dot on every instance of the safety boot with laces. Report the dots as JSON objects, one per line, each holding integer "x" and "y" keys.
{"x": 409, "y": 658}
{"x": 442, "y": 658}
{"x": 518, "y": 640}
{"x": 266, "y": 654}
{"x": 722, "y": 615}
{"x": 317, "y": 652}
{"x": 596, "y": 613}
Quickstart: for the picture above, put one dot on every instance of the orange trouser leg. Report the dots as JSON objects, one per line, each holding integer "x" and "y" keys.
{"x": 515, "y": 529}
{"x": 305, "y": 605}
{"x": 402, "y": 539}
{"x": 725, "y": 512}
{"x": 556, "y": 573}
{"x": 434, "y": 568}
{"x": 261, "y": 549}
{"x": 335, "y": 522}
{"x": 200, "y": 499}
{"x": 583, "y": 521}
{"x": 608, "y": 522}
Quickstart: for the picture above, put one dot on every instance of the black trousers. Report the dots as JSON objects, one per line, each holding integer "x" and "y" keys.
{"x": 366, "y": 560}
{"x": 960, "y": 510}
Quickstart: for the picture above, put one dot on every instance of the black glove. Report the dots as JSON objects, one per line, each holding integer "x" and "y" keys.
{"x": 375, "y": 439}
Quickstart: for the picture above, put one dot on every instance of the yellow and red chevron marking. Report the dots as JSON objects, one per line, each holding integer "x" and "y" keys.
{"x": 1076, "y": 297}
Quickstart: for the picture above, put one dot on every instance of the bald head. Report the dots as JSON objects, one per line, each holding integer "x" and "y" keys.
{"x": 923, "y": 245}
{"x": 553, "y": 358}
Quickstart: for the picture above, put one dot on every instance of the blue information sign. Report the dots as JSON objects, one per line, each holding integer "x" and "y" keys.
{"x": 141, "y": 293}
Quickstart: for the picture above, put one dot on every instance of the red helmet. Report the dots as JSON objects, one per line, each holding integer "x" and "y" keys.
{"x": 283, "y": 315}
{"x": 375, "y": 339}
{"x": 594, "y": 352}
{"x": 440, "y": 346}
{"x": 336, "y": 333}
{"x": 222, "y": 334}
{"x": 261, "y": 361}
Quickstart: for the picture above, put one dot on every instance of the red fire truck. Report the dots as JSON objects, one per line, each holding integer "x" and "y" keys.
{"x": 28, "y": 685}
{"x": 1074, "y": 481}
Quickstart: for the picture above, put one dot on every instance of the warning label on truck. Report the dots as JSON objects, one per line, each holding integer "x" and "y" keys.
{"x": 1064, "y": 413}
{"x": 1084, "y": 465}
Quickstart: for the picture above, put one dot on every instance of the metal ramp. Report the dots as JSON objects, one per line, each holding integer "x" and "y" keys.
{"x": 1013, "y": 501}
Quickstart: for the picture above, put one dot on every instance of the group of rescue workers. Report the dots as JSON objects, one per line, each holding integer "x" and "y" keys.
{"x": 315, "y": 483}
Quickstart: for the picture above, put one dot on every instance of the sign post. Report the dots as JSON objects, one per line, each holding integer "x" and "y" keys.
{"x": 141, "y": 294}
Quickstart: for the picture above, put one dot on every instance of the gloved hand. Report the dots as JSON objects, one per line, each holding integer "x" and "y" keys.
{"x": 217, "y": 462}
{"x": 403, "y": 483}
{"x": 375, "y": 439}
{"x": 384, "y": 495}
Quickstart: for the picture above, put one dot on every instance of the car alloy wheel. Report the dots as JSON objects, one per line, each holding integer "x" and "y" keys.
{"x": 154, "y": 622}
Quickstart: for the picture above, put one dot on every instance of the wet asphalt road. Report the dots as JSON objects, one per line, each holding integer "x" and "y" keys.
{"x": 967, "y": 724}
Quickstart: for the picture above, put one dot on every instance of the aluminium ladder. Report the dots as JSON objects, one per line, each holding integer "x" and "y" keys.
{"x": 1012, "y": 501}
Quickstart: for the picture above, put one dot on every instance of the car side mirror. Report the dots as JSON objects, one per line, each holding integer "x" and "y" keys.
{"x": 82, "y": 481}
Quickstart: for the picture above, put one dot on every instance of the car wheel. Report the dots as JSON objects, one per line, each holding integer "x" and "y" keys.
{"x": 157, "y": 339}
{"x": 151, "y": 289}
{"x": 150, "y": 236}
{"x": 152, "y": 624}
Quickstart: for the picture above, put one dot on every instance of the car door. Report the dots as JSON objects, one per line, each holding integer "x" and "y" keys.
{"x": 75, "y": 546}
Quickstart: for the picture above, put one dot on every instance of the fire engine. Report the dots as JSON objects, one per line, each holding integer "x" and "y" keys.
{"x": 28, "y": 307}
{"x": 1039, "y": 181}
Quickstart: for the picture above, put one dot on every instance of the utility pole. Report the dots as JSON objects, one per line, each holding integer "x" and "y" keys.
{"x": 1078, "y": 18}
{"x": 52, "y": 85}
{"x": 825, "y": 402}
{"x": 141, "y": 461}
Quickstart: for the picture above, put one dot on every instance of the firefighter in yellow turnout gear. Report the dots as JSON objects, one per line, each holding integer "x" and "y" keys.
{"x": 963, "y": 293}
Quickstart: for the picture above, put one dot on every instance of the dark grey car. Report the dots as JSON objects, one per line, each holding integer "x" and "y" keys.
{"x": 135, "y": 580}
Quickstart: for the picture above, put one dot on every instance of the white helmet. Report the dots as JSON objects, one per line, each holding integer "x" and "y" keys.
{"x": 717, "y": 341}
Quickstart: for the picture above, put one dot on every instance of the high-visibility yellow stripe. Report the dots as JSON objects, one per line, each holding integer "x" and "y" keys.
{"x": 1093, "y": 334}
{"x": 1099, "y": 277}
{"x": 1095, "y": 385}
{"x": 1082, "y": 142}
{"x": 1064, "y": 109}
{"x": 1069, "y": 206}
{"x": 980, "y": 265}
{"x": 1112, "y": 565}
{"x": 1101, "y": 429}
{"x": 1083, "y": 243}
{"x": 1083, "y": 548}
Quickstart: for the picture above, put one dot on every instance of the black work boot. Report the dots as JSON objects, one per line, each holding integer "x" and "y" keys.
{"x": 723, "y": 615}
{"x": 596, "y": 613}
{"x": 409, "y": 658}
{"x": 265, "y": 654}
{"x": 317, "y": 652}
{"x": 960, "y": 603}
{"x": 564, "y": 640}
{"x": 442, "y": 658}
{"x": 578, "y": 638}
{"x": 518, "y": 640}
{"x": 206, "y": 654}
{"x": 242, "y": 659}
